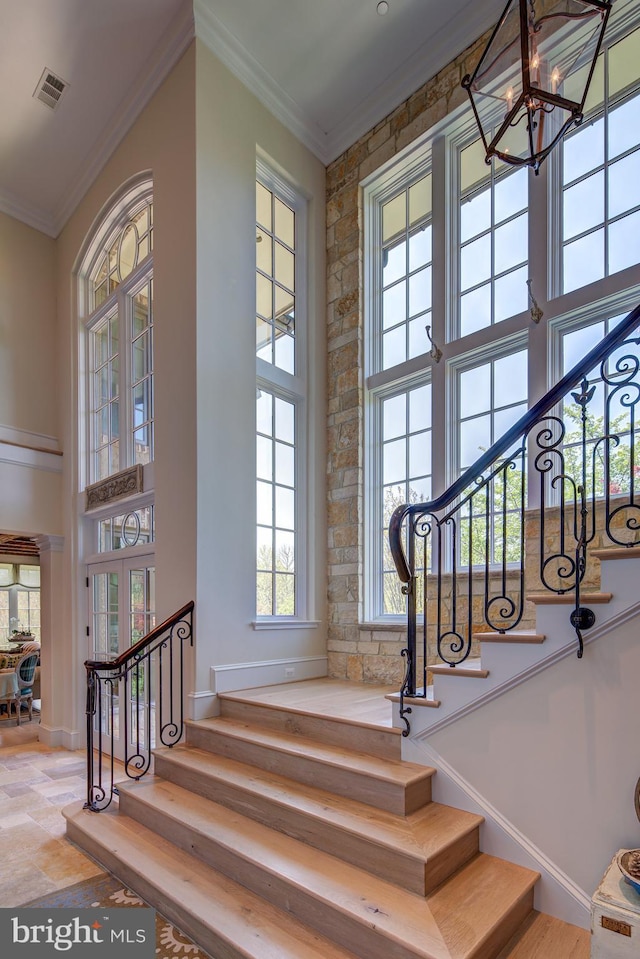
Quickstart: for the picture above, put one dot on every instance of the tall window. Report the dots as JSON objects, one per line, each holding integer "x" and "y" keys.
{"x": 275, "y": 279}
{"x": 493, "y": 231}
{"x": 120, "y": 346}
{"x": 280, "y": 392}
{"x": 19, "y": 599}
{"x": 601, "y": 173}
{"x": 406, "y": 471}
{"x": 582, "y": 219}
{"x": 276, "y": 505}
{"x": 406, "y": 273}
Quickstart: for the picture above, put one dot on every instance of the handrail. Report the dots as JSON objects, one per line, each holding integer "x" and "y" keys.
{"x": 133, "y": 652}
{"x": 520, "y": 428}
{"x": 468, "y": 550}
{"x": 135, "y": 696}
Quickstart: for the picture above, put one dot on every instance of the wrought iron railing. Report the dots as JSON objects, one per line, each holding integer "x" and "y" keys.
{"x": 131, "y": 697}
{"x": 464, "y": 564}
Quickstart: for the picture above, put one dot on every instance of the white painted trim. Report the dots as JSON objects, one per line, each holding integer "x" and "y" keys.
{"x": 33, "y": 459}
{"x": 274, "y": 623}
{"x": 9, "y": 434}
{"x": 222, "y": 43}
{"x": 31, "y": 216}
{"x": 168, "y": 51}
{"x": 232, "y": 676}
{"x": 568, "y": 649}
{"x": 556, "y": 893}
{"x": 54, "y": 544}
{"x": 202, "y": 704}
{"x": 59, "y": 736}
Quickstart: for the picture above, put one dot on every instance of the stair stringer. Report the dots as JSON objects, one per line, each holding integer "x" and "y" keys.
{"x": 509, "y": 666}
{"x": 555, "y": 893}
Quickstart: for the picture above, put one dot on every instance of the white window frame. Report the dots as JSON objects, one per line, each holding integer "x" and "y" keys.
{"x": 134, "y": 195}
{"x": 292, "y": 387}
{"x": 121, "y": 302}
{"x": 616, "y": 293}
{"x": 625, "y": 18}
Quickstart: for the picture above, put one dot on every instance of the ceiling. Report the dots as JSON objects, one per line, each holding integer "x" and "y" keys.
{"x": 11, "y": 545}
{"x": 329, "y": 69}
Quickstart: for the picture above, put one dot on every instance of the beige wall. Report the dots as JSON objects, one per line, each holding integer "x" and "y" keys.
{"x": 199, "y": 136}
{"x": 28, "y": 378}
{"x": 29, "y": 399}
{"x": 161, "y": 141}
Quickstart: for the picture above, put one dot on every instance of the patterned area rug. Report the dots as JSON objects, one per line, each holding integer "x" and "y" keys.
{"x": 109, "y": 891}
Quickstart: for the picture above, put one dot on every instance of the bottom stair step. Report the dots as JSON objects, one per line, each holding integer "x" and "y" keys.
{"x": 543, "y": 937}
{"x": 226, "y": 920}
{"x": 471, "y": 916}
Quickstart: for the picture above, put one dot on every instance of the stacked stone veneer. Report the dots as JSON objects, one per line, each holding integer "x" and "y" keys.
{"x": 358, "y": 651}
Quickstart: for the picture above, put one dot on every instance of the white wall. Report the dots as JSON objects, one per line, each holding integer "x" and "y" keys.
{"x": 558, "y": 756}
{"x": 232, "y": 126}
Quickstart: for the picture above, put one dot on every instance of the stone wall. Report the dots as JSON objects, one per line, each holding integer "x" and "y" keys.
{"x": 359, "y": 651}
{"x": 356, "y": 651}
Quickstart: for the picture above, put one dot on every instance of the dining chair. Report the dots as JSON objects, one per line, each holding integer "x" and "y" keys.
{"x": 25, "y": 673}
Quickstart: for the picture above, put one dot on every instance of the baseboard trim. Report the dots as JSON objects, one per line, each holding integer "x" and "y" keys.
{"x": 234, "y": 676}
{"x": 556, "y": 893}
{"x": 59, "y": 736}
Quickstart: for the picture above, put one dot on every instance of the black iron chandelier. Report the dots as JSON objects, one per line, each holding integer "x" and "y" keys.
{"x": 532, "y": 80}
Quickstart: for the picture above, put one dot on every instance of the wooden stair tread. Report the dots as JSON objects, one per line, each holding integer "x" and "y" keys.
{"x": 569, "y": 598}
{"x": 510, "y": 637}
{"x": 227, "y": 919}
{"x": 448, "y": 924}
{"x": 428, "y": 701}
{"x": 475, "y": 935}
{"x": 543, "y": 937}
{"x": 331, "y": 700}
{"x": 473, "y": 672}
{"x": 387, "y": 770}
{"x": 421, "y": 834}
{"x": 616, "y": 552}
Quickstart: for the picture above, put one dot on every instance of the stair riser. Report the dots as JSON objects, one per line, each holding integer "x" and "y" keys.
{"x": 353, "y": 784}
{"x": 375, "y": 742}
{"x": 501, "y": 936}
{"x": 171, "y": 909}
{"x": 385, "y": 861}
{"x": 357, "y": 932}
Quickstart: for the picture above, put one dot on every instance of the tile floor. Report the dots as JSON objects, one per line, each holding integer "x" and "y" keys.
{"x": 36, "y": 781}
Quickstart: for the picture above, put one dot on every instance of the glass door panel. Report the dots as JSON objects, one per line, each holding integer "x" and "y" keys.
{"x": 122, "y": 600}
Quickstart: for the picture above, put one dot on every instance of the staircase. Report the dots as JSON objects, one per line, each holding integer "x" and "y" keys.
{"x": 278, "y": 833}
{"x": 507, "y": 659}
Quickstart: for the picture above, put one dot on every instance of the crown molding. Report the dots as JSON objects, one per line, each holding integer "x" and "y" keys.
{"x": 246, "y": 68}
{"x": 38, "y": 219}
{"x": 168, "y": 51}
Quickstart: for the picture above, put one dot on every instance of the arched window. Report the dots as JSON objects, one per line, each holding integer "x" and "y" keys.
{"x": 116, "y": 296}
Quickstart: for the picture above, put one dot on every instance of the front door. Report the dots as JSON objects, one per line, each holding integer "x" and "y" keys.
{"x": 122, "y": 611}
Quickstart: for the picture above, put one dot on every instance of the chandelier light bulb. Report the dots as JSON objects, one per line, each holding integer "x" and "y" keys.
{"x": 382, "y": 8}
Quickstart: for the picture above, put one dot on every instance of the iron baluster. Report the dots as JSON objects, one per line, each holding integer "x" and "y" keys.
{"x": 540, "y": 438}
{"x": 125, "y": 684}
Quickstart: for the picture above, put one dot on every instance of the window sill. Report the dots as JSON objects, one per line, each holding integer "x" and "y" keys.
{"x": 274, "y": 622}
{"x": 391, "y": 625}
